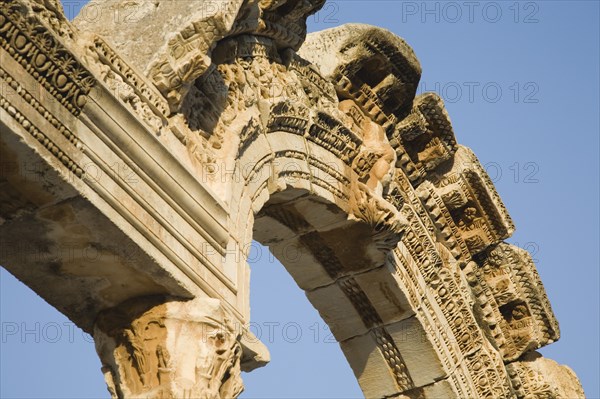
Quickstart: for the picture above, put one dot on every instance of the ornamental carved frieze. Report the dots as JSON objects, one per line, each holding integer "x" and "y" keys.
{"x": 42, "y": 53}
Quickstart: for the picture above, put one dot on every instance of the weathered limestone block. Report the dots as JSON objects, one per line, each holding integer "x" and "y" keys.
{"x": 432, "y": 281}
{"x": 92, "y": 179}
{"x": 437, "y": 390}
{"x": 298, "y": 260}
{"x": 48, "y": 13}
{"x": 534, "y": 376}
{"x": 339, "y": 311}
{"x": 173, "y": 41}
{"x": 385, "y": 294}
{"x": 425, "y": 138}
{"x": 377, "y": 365}
{"x": 354, "y": 305}
{"x": 345, "y": 244}
{"x": 473, "y": 208}
{"x": 418, "y": 353}
{"x": 442, "y": 219}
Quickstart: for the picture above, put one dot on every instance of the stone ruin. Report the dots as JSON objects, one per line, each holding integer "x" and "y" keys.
{"x": 165, "y": 136}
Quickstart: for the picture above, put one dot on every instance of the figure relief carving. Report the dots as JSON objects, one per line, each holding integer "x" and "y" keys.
{"x": 177, "y": 349}
{"x": 375, "y": 161}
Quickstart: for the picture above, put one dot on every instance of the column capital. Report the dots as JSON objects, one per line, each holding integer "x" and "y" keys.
{"x": 157, "y": 347}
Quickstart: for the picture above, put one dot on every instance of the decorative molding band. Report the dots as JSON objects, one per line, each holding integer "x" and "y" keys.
{"x": 41, "y": 137}
{"x": 149, "y": 93}
{"x": 30, "y": 98}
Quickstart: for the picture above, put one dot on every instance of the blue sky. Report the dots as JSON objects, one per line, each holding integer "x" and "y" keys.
{"x": 520, "y": 81}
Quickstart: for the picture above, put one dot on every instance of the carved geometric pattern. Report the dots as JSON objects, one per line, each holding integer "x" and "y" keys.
{"x": 41, "y": 138}
{"x": 361, "y": 303}
{"x": 393, "y": 358}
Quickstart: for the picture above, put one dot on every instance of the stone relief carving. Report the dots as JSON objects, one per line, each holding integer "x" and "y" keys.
{"x": 424, "y": 139}
{"x": 187, "y": 53}
{"x": 536, "y": 377}
{"x": 172, "y": 349}
{"x": 35, "y": 131}
{"x": 376, "y": 159}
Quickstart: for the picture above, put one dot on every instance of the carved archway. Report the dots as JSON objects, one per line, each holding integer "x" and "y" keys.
{"x": 236, "y": 134}
{"x": 383, "y": 289}
{"x": 399, "y": 228}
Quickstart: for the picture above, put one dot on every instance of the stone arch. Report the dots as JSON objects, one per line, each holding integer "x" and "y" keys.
{"x": 400, "y": 229}
{"x": 394, "y": 263}
{"x": 374, "y": 297}
{"x": 359, "y": 256}
{"x": 308, "y": 225}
